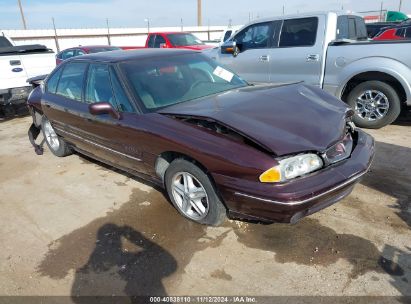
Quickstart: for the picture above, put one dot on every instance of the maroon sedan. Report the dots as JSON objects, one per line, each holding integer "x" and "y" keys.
{"x": 82, "y": 50}
{"x": 216, "y": 144}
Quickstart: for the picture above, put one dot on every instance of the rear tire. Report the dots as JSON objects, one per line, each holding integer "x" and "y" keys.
{"x": 56, "y": 144}
{"x": 376, "y": 104}
{"x": 193, "y": 194}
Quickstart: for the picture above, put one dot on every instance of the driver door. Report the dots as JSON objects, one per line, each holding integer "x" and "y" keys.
{"x": 254, "y": 43}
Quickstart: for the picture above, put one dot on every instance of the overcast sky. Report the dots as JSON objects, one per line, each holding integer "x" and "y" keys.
{"x": 131, "y": 13}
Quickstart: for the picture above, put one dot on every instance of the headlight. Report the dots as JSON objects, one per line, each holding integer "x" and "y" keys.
{"x": 292, "y": 167}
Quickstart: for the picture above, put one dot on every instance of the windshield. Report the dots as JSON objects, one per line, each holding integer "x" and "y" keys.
{"x": 103, "y": 49}
{"x": 184, "y": 39}
{"x": 160, "y": 82}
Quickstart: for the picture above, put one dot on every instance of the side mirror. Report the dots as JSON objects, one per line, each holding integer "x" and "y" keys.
{"x": 163, "y": 45}
{"x": 230, "y": 47}
{"x": 100, "y": 108}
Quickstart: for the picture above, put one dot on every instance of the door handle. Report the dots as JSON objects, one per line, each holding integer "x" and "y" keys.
{"x": 264, "y": 58}
{"x": 15, "y": 62}
{"x": 313, "y": 57}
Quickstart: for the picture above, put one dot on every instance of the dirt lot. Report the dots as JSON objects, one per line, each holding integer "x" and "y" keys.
{"x": 70, "y": 226}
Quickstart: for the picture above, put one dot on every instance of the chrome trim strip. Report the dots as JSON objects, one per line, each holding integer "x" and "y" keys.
{"x": 295, "y": 203}
{"x": 98, "y": 145}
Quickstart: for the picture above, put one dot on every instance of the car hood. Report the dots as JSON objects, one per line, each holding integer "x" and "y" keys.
{"x": 283, "y": 119}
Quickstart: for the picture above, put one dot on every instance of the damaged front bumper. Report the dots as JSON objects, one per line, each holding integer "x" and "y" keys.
{"x": 33, "y": 133}
{"x": 291, "y": 201}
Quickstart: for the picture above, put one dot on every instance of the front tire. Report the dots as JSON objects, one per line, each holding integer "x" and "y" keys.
{"x": 376, "y": 104}
{"x": 56, "y": 144}
{"x": 192, "y": 193}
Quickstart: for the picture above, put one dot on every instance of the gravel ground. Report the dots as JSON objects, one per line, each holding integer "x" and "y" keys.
{"x": 71, "y": 226}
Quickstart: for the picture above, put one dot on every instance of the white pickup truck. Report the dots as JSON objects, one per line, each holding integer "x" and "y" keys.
{"x": 328, "y": 50}
{"x": 17, "y": 64}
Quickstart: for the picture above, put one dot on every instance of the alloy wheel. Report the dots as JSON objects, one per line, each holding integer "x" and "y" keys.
{"x": 372, "y": 105}
{"x": 190, "y": 196}
{"x": 51, "y": 136}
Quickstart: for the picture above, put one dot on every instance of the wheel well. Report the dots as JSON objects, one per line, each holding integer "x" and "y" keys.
{"x": 370, "y": 76}
{"x": 164, "y": 160}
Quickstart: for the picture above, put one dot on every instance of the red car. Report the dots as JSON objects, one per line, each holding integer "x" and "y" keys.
{"x": 396, "y": 33}
{"x": 82, "y": 50}
{"x": 172, "y": 40}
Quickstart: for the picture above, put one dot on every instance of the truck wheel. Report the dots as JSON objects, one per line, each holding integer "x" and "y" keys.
{"x": 192, "y": 193}
{"x": 55, "y": 143}
{"x": 376, "y": 104}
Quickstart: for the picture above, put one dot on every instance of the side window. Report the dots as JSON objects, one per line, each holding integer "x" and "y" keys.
{"x": 255, "y": 36}
{"x": 79, "y": 53}
{"x": 71, "y": 80}
{"x": 227, "y": 35}
{"x": 67, "y": 54}
{"x": 400, "y": 32}
{"x": 159, "y": 40}
{"x": 299, "y": 32}
{"x": 361, "y": 29}
{"x": 342, "y": 27}
{"x": 408, "y": 32}
{"x": 52, "y": 82}
{"x": 121, "y": 97}
{"x": 98, "y": 87}
{"x": 352, "y": 28}
{"x": 151, "y": 41}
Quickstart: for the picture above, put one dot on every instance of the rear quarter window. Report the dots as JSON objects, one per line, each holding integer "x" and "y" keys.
{"x": 53, "y": 81}
{"x": 71, "y": 80}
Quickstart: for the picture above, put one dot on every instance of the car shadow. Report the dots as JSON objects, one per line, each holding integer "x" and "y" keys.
{"x": 390, "y": 175}
{"x": 123, "y": 253}
{"x": 12, "y": 112}
{"x": 404, "y": 119}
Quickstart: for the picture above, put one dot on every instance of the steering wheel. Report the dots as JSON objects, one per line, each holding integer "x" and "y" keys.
{"x": 197, "y": 83}
{"x": 202, "y": 75}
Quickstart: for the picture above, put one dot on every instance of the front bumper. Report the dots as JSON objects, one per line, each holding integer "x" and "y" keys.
{"x": 291, "y": 201}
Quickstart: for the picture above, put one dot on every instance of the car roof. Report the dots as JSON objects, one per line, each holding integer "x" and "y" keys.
{"x": 119, "y": 56}
{"x": 87, "y": 47}
{"x": 166, "y": 33}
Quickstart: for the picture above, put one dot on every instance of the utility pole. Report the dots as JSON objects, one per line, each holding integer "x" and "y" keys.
{"x": 108, "y": 32}
{"x": 283, "y": 10}
{"x": 148, "y": 25}
{"x": 22, "y": 15}
{"x": 56, "y": 39}
{"x": 199, "y": 13}
{"x": 399, "y": 9}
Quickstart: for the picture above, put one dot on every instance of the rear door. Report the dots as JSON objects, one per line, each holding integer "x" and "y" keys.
{"x": 298, "y": 56}
{"x": 63, "y": 104}
{"x": 253, "y": 61}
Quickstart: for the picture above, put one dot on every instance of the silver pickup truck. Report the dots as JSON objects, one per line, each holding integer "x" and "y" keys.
{"x": 328, "y": 50}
